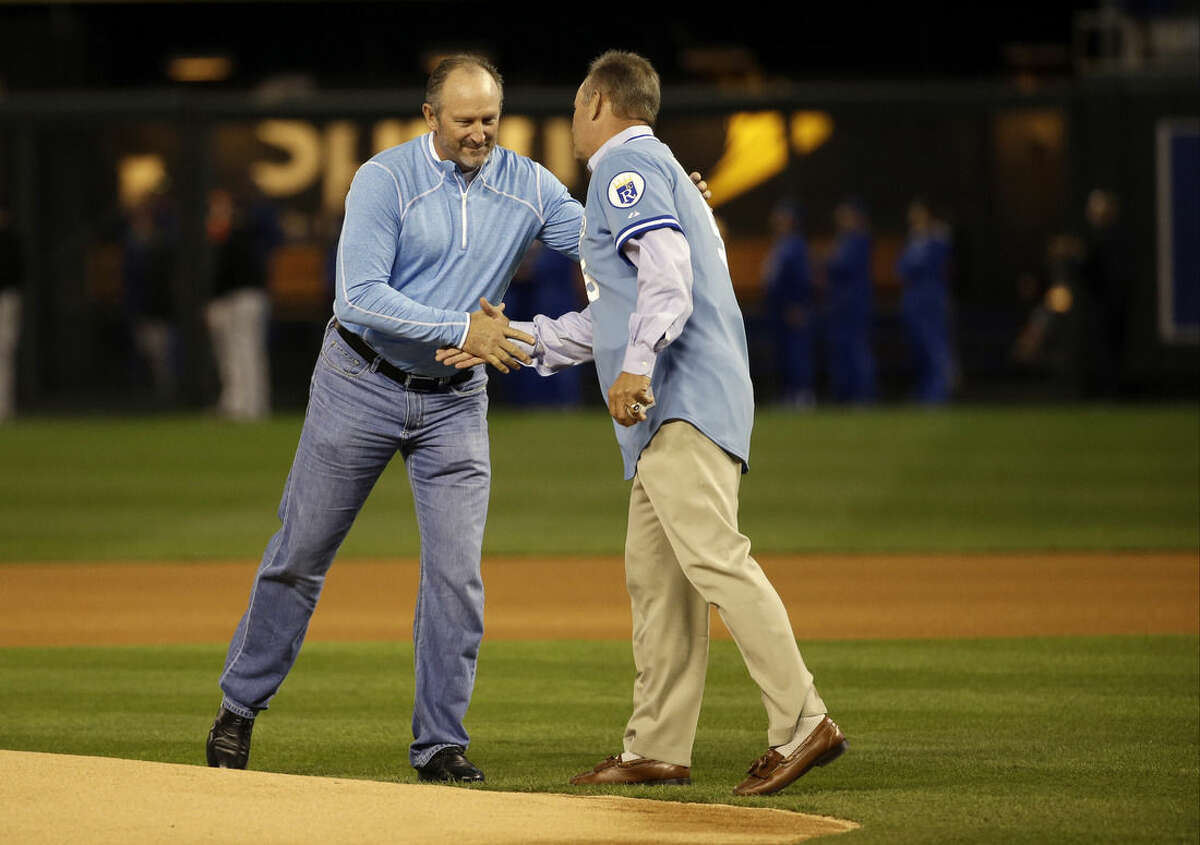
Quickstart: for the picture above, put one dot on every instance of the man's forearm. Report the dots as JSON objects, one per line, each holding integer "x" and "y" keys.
{"x": 559, "y": 343}
{"x": 379, "y": 306}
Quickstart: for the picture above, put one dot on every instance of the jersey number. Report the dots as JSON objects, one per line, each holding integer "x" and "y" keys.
{"x": 589, "y": 284}
{"x": 712, "y": 221}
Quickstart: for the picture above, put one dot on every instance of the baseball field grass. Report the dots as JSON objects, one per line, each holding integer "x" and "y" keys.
{"x": 1012, "y": 740}
{"x": 1019, "y": 739}
{"x": 968, "y": 479}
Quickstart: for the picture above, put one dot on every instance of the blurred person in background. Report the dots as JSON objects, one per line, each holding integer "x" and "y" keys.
{"x": 788, "y": 298}
{"x": 1106, "y": 276}
{"x": 12, "y": 273}
{"x": 925, "y": 302}
{"x": 850, "y": 306}
{"x": 1046, "y": 340}
{"x": 1030, "y": 346}
{"x": 148, "y": 267}
{"x": 243, "y": 236}
{"x": 1086, "y": 303}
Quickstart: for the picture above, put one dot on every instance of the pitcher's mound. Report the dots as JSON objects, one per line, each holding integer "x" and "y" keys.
{"x": 54, "y": 798}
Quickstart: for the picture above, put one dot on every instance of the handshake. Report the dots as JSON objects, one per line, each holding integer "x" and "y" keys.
{"x": 489, "y": 341}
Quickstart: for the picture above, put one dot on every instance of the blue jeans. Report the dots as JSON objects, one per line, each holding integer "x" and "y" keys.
{"x": 357, "y": 419}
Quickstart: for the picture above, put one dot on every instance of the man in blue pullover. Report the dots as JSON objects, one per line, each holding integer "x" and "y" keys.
{"x": 432, "y": 227}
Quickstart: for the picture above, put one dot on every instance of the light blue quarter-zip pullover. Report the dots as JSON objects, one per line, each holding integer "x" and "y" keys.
{"x": 421, "y": 243}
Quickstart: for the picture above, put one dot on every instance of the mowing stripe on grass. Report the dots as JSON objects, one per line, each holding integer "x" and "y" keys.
{"x": 188, "y": 488}
{"x": 1014, "y": 740}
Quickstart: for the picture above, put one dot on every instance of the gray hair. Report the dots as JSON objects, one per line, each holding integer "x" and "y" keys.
{"x": 629, "y": 81}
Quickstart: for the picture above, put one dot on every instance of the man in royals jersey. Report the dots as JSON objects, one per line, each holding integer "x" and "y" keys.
{"x": 667, "y": 338}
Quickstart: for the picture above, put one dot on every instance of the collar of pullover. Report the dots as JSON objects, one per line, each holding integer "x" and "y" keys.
{"x": 448, "y": 167}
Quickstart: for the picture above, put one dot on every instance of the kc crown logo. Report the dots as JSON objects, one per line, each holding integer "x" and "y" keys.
{"x": 625, "y": 189}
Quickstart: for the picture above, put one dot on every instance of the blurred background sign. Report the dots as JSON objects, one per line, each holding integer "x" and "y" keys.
{"x": 1178, "y": 158}
{"x": 119, "y": 121}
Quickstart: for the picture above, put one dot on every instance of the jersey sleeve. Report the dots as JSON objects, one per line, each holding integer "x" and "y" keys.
{"x": 636, "y": 194}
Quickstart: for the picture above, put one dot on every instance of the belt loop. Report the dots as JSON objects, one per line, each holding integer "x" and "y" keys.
{"x": 374, "y": 368}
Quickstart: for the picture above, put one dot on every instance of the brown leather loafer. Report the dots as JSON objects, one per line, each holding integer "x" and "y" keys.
{"x": 772, "y": 771}
{"x": 641, "y": 771}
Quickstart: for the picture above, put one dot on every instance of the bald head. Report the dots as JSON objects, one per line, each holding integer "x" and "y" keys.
{"x": 460, "y": 61}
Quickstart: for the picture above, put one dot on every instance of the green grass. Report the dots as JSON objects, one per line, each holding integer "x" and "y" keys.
{"x": 1014, "y": 740}
{"x": 963, "y": 479}
{"x": 1073, "y": 739}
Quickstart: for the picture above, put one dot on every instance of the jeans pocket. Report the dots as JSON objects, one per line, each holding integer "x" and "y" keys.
{"x": 342, "y": 358}
{"x": 471, "y": 386}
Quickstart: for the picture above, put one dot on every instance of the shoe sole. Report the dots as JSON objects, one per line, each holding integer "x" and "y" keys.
{"x": 214, "y": 761}
{"x": 831, "y": 755}
{"x": 667, "y": 782}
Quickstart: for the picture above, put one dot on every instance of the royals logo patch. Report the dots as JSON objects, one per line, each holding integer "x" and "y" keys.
{"x": 626, "y": 189}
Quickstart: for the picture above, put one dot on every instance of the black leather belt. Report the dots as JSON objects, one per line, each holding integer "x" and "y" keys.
{"x": 423, "y": 384}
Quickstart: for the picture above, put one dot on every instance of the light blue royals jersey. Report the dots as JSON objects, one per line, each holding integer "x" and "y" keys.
{"x": 420, "y": 245}
{"x": 703, "y": 376}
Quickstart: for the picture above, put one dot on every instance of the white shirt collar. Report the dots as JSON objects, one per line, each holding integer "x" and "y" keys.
{"x": 616, "y": 140}
{"x": 445, "y": 165}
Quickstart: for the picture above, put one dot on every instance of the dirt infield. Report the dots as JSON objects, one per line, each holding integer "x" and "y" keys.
{"x": 118, "y": 801}
{"x": 132, "y": 802}
{"x": 828, "y": 597}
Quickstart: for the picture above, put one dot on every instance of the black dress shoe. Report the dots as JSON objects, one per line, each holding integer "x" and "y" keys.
{"x": 229, "y": 741}
{"x": 449, "y": 764}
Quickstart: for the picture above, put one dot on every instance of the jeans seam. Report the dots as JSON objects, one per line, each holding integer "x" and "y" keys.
{"x": 464, "y": 391}
{"x": 429, "y": 755}
{"x": 254, "y": 589}
{"x": 335, "y": 341}
{"x": 237, "y": 709}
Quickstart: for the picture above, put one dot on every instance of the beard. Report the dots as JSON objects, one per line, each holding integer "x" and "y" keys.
{"x": 469, "y": 156}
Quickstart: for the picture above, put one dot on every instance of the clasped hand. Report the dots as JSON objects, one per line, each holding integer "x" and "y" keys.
{"x": 488, "y": 342}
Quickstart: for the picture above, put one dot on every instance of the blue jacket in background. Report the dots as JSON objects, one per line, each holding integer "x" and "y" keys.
{"x": 788, "y": 280}
{"x": 925, "y": 310}
{"x": 849, "y": 272}
{"x": 851, "y": 306}
{"x": 922, "y": 268}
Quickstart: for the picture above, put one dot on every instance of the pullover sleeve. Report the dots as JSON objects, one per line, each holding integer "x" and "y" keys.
{"x": 367, "y": 251}
{"x": 562, "y": 213}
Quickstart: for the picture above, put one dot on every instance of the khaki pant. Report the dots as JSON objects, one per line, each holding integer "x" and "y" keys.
{"x": 237, "y": 322}
{"x": 683, "y": 552}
